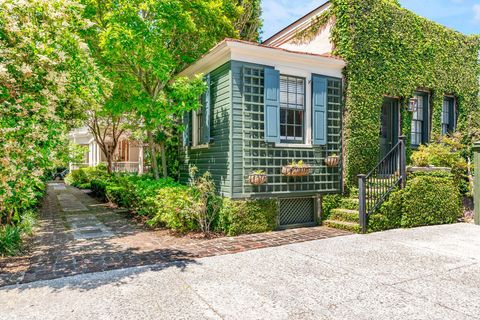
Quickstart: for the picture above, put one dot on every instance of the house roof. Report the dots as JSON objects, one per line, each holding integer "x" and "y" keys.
{"x": 287, "y": 33}
{"x": 234, "y": 49}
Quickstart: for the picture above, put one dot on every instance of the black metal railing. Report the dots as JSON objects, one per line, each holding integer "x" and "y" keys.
{"x": 374, "y": 187}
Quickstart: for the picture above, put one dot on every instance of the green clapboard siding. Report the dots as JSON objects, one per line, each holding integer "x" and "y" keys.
{"x": 250, "y": 151}
{"x": 215, "y": 158}
{"x": 239, "y": 147}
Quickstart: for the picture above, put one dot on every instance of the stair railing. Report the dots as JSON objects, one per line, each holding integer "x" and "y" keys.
{"x": 374, "y": 187}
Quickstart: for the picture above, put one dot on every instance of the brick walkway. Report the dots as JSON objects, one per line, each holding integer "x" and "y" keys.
{"x": 77, "y": 234}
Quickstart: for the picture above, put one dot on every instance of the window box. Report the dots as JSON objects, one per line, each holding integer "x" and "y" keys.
{"x": 298, "y": 169}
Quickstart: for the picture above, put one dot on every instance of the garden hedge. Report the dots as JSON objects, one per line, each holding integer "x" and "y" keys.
{"x": 428, "y": 199}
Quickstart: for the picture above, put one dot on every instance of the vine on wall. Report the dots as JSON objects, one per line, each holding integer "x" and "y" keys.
{"x": 390, "y": 51}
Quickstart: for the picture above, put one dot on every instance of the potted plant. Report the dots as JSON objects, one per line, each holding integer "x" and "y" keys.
{"x": 296, "y": 169}
{"x": 332, "y": 160}
{"x": 257, "y": 177}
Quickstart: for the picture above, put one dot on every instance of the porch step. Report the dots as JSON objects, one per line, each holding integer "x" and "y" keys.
{"x": 349, "y": 203}
{"x": 345, "y": 215}
{"x": 342, "y": 225}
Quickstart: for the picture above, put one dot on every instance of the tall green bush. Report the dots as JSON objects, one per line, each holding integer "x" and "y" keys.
{"x": 430, "y": 200}
{"x": 248, "y": 216}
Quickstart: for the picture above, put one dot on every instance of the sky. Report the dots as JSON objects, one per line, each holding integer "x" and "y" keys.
{"x": 460, "y": 15}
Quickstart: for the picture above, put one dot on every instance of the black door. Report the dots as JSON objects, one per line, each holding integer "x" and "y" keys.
{"x": 389, "y": 127}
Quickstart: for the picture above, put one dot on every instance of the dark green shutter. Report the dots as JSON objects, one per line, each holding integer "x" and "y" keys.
{"x": 426, "y": 118}
{"x": 319, "y": 106}
{"x": 272, "y": 105}
{"x": 206, "y": 112}
{"x": 186, "y": 129}
{"x": 452, "y": 115}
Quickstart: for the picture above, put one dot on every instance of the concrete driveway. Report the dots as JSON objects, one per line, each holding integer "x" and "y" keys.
{"x": 423, "y": 273}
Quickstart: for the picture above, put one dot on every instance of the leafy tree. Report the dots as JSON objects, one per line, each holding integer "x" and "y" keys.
{"x": 144, "y": 43}
{"x": 47, "y": 76}
{"x": 249, "y": 22}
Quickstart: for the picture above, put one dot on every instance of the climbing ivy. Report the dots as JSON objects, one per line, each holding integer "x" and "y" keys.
{"x": 390, "y": 51}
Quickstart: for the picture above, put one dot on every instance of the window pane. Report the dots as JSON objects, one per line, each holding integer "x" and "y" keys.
{"x": 292, "y": 104}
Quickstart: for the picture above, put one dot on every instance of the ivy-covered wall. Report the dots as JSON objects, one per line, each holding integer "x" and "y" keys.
{"x": 391, "y": 51}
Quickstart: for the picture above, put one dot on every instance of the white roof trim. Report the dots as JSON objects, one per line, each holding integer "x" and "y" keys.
{"x": 290, "y": 31}
{"x": 251, "y": 52}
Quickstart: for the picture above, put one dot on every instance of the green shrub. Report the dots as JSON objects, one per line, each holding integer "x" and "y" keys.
{"x": 247, "y": 216}
{"x": 27, "y": 222}
{"x": 10, "y": 240}
{"x": 389, "y": 216}
{"x": 430, "y": 200}
{"x": 330, "y": 202}
{"x": 81, "y": 178}
{"x": 99, "y": 187}
{"x": 76, "y": 177}
{"x": 446, "y": 152}
{"x": 174, "y": 207}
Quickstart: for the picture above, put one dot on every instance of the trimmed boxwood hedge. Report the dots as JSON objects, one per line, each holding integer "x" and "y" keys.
{"x": 428, "y": 199}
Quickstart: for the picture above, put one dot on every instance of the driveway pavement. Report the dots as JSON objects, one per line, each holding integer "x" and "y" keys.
{"x": 423, "y": 273}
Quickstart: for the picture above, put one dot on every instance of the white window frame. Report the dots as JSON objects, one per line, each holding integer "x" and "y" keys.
{"x": 294, "y": 72}
{"x": 454, "y": 113}
{"x": 195, "y": 137}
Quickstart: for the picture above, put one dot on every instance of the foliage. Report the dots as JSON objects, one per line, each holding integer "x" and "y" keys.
{"x": 46, "y": 76}
{"x": 430, "y": 200}
{"x": 84, "y": 176}
{"x": 11, "y": 235}
{"x": 144, "y": 44}
{"x": 389, "y": 215}
{"x": 10, "y": 240}
{"x": 391, "y": 51}
{"x": 249, "y": 22}
{"x": 247, "y": 216}
{"x": 446, "y": 152}
{"x": 330, "y": 202}
{"x": 426, "y": 200}
{"x": 175, "y": 208}
{"x": 207, "y": 203}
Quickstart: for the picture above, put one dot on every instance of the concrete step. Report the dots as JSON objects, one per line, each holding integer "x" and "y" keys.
{"x": 342, "y": 225}
{"x": 346, "y": 215}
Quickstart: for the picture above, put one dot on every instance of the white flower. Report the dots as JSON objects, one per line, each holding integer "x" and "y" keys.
{"x": 26, "y": 70}
{"x": 3, "y": 71}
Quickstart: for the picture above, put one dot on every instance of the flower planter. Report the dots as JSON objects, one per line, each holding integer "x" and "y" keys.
{"x": 257, "y": 178}
{"x": 332, "y": 161}
{"x": 296, "y": 171}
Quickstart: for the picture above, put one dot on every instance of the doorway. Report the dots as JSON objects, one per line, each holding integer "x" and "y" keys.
{"x": 389, "y": 127}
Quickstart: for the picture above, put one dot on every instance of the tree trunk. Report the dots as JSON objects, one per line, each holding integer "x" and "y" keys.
{"x": 153, "y": 152}
{"x": 164, "y": 160}
{"x": 109, "y": 163}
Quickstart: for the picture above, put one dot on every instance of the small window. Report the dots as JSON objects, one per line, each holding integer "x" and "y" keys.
{"x": 420, "y": 121}
{"x": 448, "y": 115}
{"x": 200, "y": 120}
{"x": 292, "y": 109}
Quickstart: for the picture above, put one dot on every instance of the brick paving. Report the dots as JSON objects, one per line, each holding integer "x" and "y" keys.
{"x": 115, "y": 241}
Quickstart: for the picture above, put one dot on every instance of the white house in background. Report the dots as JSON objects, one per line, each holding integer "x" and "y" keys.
{"x": 127, "y": 158}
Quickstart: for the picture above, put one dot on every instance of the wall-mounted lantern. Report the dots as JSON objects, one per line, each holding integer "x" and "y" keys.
{"x": 413, "y": 104}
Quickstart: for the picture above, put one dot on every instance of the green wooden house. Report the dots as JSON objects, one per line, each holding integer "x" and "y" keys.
{"x": 264, "y": 108}
{"x": 349, "y": 79}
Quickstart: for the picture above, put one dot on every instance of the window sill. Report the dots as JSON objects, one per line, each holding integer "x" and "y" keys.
{"x": 293, "y": 145}
{"x": 200, "y": 146}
